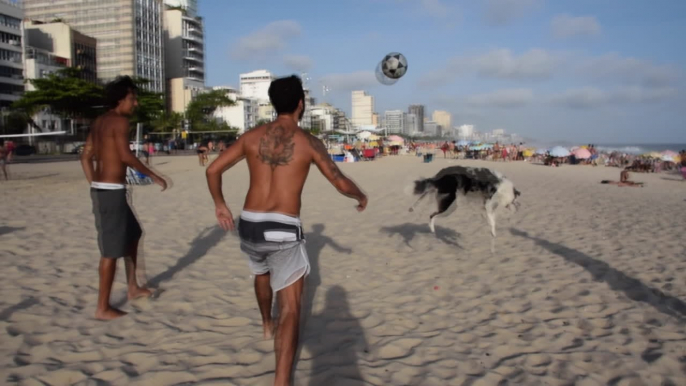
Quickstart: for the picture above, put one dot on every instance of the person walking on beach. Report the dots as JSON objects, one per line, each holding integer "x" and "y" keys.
{"x": 683, "y": 163}
{"x": 4, "y": 156}
{"x": 104, "y": 160}
{"x": 279, "y": 155}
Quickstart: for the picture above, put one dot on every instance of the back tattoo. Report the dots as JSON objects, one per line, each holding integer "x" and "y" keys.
{"x": 276, "y": 147}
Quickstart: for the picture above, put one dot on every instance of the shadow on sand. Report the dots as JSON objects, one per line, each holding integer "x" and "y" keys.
{"x": 409, "y": 231}
{"x": 634, "y": 289}
{"x": 5, "y": 230}
{"x": 206, "y": 240}
{"x": 22, "y": 305}
{"x": 315, "y": 329}
{"x": 336, "y": 341}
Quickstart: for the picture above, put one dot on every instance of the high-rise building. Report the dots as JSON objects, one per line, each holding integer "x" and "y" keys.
{"x": 362, "y": 109}
{"x": 432, "y": 128}
{"x": 184, "y": 56}
{"x": 375, "y": 120}
{"x": 443, "y": 118}
{"x": 11, "y": 35}
{"x": 410, "y": 124}
{"x": 394, "y": 121}
{"x": 255, "y": 85}
{"x": 465, "y": 131}
{"x": 128, "y": 33}
{"x": 418, "y": 110}
{"x": 59, "y": 40}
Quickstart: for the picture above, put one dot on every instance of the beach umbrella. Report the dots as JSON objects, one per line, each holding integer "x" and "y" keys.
{"x": 462, "y": 142}
{"x": 582, "y": 153}
{"x": 652, "y": 154}
{"x": 363, "y": 134}
{"x": 541, "y": 151}
{"x": 373, "y": 137}
{"x": 669, "y": 158}
{"x": 396, "y": 138}
{"x": 528, "y": 153}
{"x": 559, "y": 151}
{"x": 670, "y": 153}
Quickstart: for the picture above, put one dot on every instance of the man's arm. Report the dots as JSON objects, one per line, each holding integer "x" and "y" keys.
{"x": 330, "y": 170}
{"x": 87, "y": 158}
{"x": 229, "y": 157}
{"x": 120, "y": 128}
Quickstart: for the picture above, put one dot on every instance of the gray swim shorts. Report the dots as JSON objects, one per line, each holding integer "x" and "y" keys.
{"x": 274, "y": 243}
{"x": 115, "y": 222}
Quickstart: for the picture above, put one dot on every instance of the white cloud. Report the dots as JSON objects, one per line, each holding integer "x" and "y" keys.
{"x": 593, "y": 97}
{"x": 271, "y": 38}
{"x": 505, "y": 98}
{"x": 360, "y": 80}
{"x": 502, "y": 12}
{"x": 502, "y": 63}
{"x": 566, "y": 26}
{"x": 628, "y": 70}
{"x": 297, "y": 62}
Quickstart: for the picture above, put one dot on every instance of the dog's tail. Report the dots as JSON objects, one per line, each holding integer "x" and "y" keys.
{"x": 421, "y": 188}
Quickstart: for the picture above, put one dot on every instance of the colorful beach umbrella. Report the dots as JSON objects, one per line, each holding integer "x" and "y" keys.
{"x": 582, "y": 153}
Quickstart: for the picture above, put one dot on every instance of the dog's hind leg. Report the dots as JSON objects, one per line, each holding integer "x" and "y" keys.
{"x": 443, "y": 205}
{"x": 490, "y": 215}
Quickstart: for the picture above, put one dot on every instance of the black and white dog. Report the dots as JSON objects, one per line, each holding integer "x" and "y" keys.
{"x": 497, "y": 191}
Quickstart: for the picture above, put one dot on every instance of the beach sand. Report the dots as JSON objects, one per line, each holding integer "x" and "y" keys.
{"x": 587, "y": 285}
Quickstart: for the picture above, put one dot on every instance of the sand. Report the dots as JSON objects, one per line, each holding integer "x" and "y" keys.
{"x": 587, "y": 285}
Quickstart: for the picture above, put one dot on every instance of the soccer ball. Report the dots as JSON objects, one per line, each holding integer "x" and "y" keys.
{"x": 394, "y": 65}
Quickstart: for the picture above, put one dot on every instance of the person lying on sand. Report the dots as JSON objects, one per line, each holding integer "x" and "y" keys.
{"x": 623, "y": 180}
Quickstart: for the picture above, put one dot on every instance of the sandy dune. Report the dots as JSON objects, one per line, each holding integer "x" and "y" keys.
{"x": 587, "y": 286}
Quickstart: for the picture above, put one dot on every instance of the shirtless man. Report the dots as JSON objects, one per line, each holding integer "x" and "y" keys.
{"x": 279, "y": 155}
{"x": 107, "y": 146}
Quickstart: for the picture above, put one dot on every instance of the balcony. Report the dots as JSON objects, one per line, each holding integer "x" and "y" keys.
{"x": 196, "y": 69}
{"x": 188, "y": 55}
{"x": 192, "y": 38}
{"x": 196, "y": 31}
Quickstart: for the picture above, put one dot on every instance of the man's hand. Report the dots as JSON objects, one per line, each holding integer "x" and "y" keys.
{"x": 224, "y": 217}
{"x": 362, "y": 203}
{"x": 160, "y": 181}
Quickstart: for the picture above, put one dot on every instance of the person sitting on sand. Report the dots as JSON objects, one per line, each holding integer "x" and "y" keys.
{"x": 623, "y": 180}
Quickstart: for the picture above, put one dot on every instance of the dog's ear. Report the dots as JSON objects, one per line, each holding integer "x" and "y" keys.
{"x": 517, "y": 193}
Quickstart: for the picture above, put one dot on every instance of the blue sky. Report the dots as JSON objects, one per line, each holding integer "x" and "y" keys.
{"x": 608, "y": 71}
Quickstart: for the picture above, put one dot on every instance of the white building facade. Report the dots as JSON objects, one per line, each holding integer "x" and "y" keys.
{"x": 255, "y": 85}
{"x": 242, "y": 115}
{"x": 394, "y": 121}
{"x": 362, "y": 109}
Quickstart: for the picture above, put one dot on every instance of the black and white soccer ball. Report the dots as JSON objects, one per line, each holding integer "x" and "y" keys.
{"x": 394, "y": 65}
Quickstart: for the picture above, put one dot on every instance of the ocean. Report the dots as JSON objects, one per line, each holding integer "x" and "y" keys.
{"x": 641, "y": 148}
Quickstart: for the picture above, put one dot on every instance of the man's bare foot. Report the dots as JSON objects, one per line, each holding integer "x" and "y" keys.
{"x": 139, "y": 292}
{"x": 268, "y": 329}
{"x": 109, "y": 314}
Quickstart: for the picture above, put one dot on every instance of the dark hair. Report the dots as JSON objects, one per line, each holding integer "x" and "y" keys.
{"x": 285, "y": 93}
{"x": 117, "y": 90}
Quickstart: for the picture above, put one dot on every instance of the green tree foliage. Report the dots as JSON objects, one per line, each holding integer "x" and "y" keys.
{"x": 150, "y": 105}
{"x": 168, "y": 122}
{"x": 199, "y": 111}
{"x": 64, "y": 93}
{"x": 15, "y": 122}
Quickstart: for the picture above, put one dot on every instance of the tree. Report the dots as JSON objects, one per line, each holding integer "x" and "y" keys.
{"x": 14, "y": 122}
{"x": 201, "y": 108}
{"x": 150, "y": 105}
{"x": 65, "y": 93}
{"x": 168, "y": 122}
